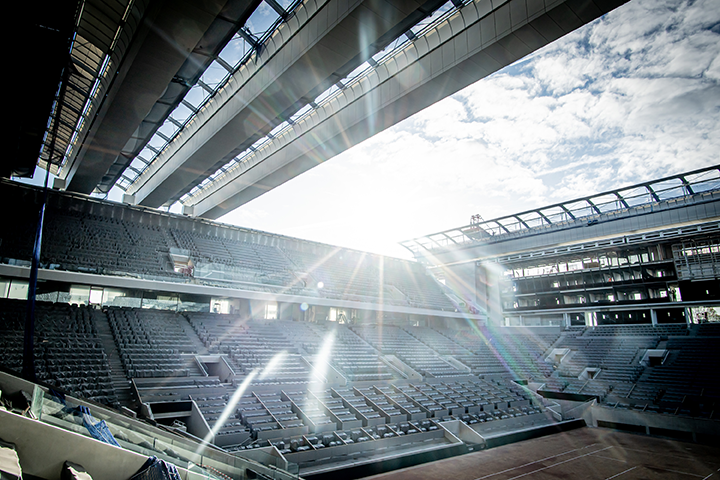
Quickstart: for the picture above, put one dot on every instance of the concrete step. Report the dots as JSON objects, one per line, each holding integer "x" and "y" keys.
{"x": 121, "y": 384}
{"x": 200, "y": 347}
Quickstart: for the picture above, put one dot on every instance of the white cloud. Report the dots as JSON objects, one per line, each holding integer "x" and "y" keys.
{"x": 631, "y": 97}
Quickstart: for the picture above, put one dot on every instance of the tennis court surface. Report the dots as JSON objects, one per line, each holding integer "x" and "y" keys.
{"x": 585, "y": 453}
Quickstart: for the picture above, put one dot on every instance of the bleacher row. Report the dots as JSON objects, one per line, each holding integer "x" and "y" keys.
{"x": 685, "y": 382}
{"x": 151, "y": 343}
{"x": 70, "y": 354}
{"x": 326, "y": 417}
{"x": 93, "y": 243}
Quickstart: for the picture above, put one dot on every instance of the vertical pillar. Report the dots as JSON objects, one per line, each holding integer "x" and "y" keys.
{"x": 566, "y": 320}
{"x": 653, "y": 317}
{"x": 688, "y": 316}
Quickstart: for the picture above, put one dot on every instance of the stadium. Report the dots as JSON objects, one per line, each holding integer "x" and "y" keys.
{"x": 578, "y": 339}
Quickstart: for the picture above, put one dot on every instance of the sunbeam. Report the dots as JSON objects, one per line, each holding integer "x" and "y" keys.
{"x": 227, "y": 411}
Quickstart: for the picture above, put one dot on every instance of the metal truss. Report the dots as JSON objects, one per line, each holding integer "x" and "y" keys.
{"x": 201, "y": 86}
{"x": 101, "y": 36}
{"x": 586, "y": 210}
{"x": 255, "y": 153}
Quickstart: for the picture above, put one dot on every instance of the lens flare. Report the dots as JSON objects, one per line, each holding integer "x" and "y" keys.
{"x": 321, "y": 360}
{"x": 229, "y": 410}
{"x": 276, "y": 360}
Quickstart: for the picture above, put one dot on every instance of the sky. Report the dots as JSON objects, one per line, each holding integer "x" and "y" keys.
{"x": 631, "y": 97}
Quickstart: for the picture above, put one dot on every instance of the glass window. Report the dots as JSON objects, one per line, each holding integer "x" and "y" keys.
{"x": 234, "y": 52}
{"x": 364, "y": 66}
{"x": 79, "y": 294}
{"x": 214, "y": 75}
{"x": 168, "y": 128}
{"x": 261, "y": 20}
{"x": 96, "y": 295}
{"x": 196, "y": 96}
{"x": 138, "y": 164}
{"x": 181, "y": 113}
{"x": 157, "y": 142}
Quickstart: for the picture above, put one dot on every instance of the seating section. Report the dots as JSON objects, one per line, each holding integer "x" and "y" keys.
{"x": 363, "y": 277}
{"x": 98, "y": 244}
{"x": 259, "y": 263}
{"x": 297, "y": 420}
{"x": 708, "y": 330}
{"x": 350, "y": 354}
{"x": 68, "y": 351}
{"x": 638, "y": 331}
{"x": 152, "y": 343}
{"x": 391, "y": 340}
{"x": 251, "y": 345}
{"x": 420, "y": 289}
{"x": 131, "y": 243}
{"x": 505, "y": 351}
{"x": 683, "y": 382}
{"x": 611, "y": 363}
{"x": 686, "y": 382}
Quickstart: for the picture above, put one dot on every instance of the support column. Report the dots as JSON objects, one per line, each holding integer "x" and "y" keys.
{"x": 688, "y": 316}
{"x": 653, "y": 317}
{"x": 566, "y": 320}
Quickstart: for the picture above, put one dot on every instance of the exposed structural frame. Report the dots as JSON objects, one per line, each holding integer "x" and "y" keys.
{"x": 161, "y": 127}
{"x": 167, "y": 51}
{"x": 586, "y": 210}
{"x": 314, "y": 49}
{"x": 477, "y": 40}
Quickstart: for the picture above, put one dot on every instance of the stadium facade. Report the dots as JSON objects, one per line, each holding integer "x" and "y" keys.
{"x": 644, "y": 253}
{"x": 301, "y": 356}
{"x": 232, "y": 352}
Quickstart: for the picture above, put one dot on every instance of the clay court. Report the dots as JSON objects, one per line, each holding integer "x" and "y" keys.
{"x": 586, "y": 453}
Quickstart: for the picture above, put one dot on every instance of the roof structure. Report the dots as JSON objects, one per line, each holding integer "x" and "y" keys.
{"x": 632, "y": 200}
{"x": 211, "y": 105}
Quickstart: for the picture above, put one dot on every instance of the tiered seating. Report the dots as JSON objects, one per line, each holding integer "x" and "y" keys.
{"x": 345, "y": 274}
{"x": 100, "y": 244}
{"x": 637, "y": 330}
{"x": 68, "y": 352}
{"x": 484, "y": 357}
{"x": 683, "y": 384}
{"x": 395, "y": 341}
{"x": 617, "y": 358}
{"x": 420, "y": 289}
{"x": 505, "y": 351}
{"x": 686, "y": 382}
{"x": 250, "y": 262}
{"x": 527, "y": 351}
{"x": 151, "y": 343}
{"x": 708, "y": 330}
{"x": 251, "y": 346}
{"x": 438, "y": 342}
{"x": 350, "y": 354}
{"x": 131, "y": 243}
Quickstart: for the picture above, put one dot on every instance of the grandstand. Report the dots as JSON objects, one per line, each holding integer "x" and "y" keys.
{"x": 326, "y": 359}
{"x": 235, "y": 353}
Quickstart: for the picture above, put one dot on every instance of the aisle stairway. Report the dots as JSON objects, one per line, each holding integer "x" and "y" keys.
{"x": 186, "y": 327}
{"x": 120, "y": 381}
